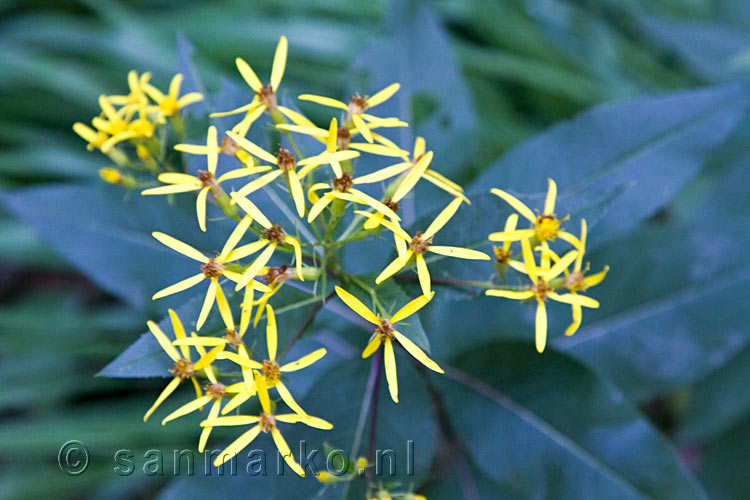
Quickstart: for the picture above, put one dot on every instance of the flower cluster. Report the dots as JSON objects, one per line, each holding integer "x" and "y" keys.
{"x": 324, "y": 189}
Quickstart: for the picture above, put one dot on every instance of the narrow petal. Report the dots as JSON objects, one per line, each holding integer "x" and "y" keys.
{"x": 188, "y": 99}
{"x": 383, "y": 173}
{"x": 582, "y": 248}
{"x": 208, "y": 302}
{"x": 383, "y": 95}
{"x": 315, "y": 422}
{"x": 251, "y": 209}
{"x": 164, "y": 342}
{"x": 171, "y": 189}
{"x": 577, "y": 318}
{"x": 528, "y": 260}
{"x": 295, "y": 117}
{"x": 206, "y": 432}
{"x": 286, "y": 396}
{"x": 442, "y": 218}
{"x": 297, "y": 255}
{"x": 561, "y": 265}
{"x": 511, "y": 294}
{"x": 595, "y": 279}
{"x": 415, "y": 351}
{"x": 372, "y": 202}
{"x": 395, "y": 266}
{"x": 412, "y": 307}
{"x": 230, "y": 421}
{"x": 237, "y": 445}
{"x": 252, "y": 148}
{"x": 298, "y": 194}
{"x": 187, "y": 408}
{"x": 193, "y": 149}
{"x": 424, "y": 275}
{"x": 179, "y": 332}
{"x": 361, "y": 126}
{"x": 246, "y": 309}
{"x": 236, "y": 111}
{"x": 461, "y": 253}
{"x": 549, "y": 202}
{"x": 304, "y": 361}
{"x": 413, "y": 177}
{"x": 372, "y": 346}
{"x": 236, "y": 401}
{"x": 440, "y": 181}
{"x": 286, "y": 452}
{"x": 248, "y": 74}
{"x": 179, "y": 246}
{"x": 357, "y": 306}
{"x": 333, "y": 135}
{"x": 324, "y": 101}
{"x": 260, "y": 261}
{"x": 169, "y": 389}
{"x": 565, "y": 236}
{"x": 200, "y": 341}
{"x": 514, "y": 235}
{"x": 176, "y": 178}
{"x": 179, "y": 286}
{"x": 316, "y": 132}
{"x": 541, "y": 326}
{"x": 514, "y": 202}
{"x": 574, "y": 298}
{"x": 237, "y": 233}
{"x": 279, "y": 63}
{"x": 241, "y": 172}
{"x": 390, "y": 369}
{"x": 271, "y": 332}
{"x": 224, "y": 309}
{"x": 260, "y": 386}
{"x": 245, "y": 250}
{"x": 200, "y": 208}
{"x": 258, "y": 183}
{"x": 377, "y": 149}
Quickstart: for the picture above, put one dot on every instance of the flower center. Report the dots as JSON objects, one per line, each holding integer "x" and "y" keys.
{"x": 268, "y": 96}
{"x": 502, "y": 255}
{"x": 357, "y": 104}
{"x": 546, "y": 227}
{"x": 393, "y": 205}
{"x": 216, "y": 390}
{"x": 574, "y": 281}
{"x": 234, "y": 338}
{"x": 342, "y": 138}
{"x": 267, "y": 421}
{"x": 212, "y": 269}
{"x": 276, "y": 273}
{"x": 183, "y": 369}
{"x": 206, "y": 178}
{"x": 285, "y": 160}
{"x": 384, "y": 329}
{"x": 419, "y": 245}
{"x": 540, "y": 289}
{"x": 274, "y": 234}
{"x": 228, "y": 146}
{"x": 271, "y": 372}
{"x": 343, "y": 183}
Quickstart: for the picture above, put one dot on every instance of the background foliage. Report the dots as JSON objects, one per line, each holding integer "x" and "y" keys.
{"x": 646, "y": 401}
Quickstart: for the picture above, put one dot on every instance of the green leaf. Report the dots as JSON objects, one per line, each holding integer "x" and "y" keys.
{"x": 545, "y": 427}
{"x": 723, "y": 464}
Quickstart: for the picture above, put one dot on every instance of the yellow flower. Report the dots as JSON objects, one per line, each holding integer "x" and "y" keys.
{"x": 355, "y": 110}
{"x": 541, "y": 290}
{"x": 421, "y": 243}
{"x": 110, "y": 175}
{"x": 183, "y": 368}
{"x": 270, "y": 368}
{"x": 115, "y": 124}
{"x": 338, "y": 139}
{"x": 273, "y": 236}
{"x": 265, "y": 95}
{"x": 504, "y": 253}
{"x": 95, "y": 138}
{"x": 342, "y": 188}
{"x": 385, "y": 334}
{"x": 172, "y": 103}
{"x": 287, "y": 164}
{"x": 546, "y": 225}
{"x": 205, "y": 180}
{"x": 211, "y": 269}
{"x": 274, "y": 277}
{"x": 419, "y": 168}
{"x": 137, "y": 97}
{"x": 266, "y": 422}
{"x": 577, "y": 281}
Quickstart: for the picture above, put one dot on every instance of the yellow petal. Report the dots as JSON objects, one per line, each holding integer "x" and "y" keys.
{"x": 390, "y": 369}
{"x": 237, "y": 233}
{"x": 395, "y": 266}
{"x": 247, "y": 309}
{"x": 413, "y": 176}
{"x": 179, "y": 286}
{"x": 372, "y": 346}
{"x": 295, "y": 117}
{"x": 193, "y": 149}
{"x": 179, "y": 246}
{"x": 577, "y": 318}
{"x": 206, "y": 432}
{"x": 574, "y": 298}
{"x": 461, "y": 253}
{"x": 424, "y": 275}
{"x": 298, "y": 195}
{"x": 445, "y": 184}
{"x": 286, "y": 396}
{"x": 251, "y": 210}
{"x": 286, "y": 452}
{"x": 260, "y": 261}
{"x": 200, "y": 341}
{"x": 324, "y": 101}
{"x": 383, "y": 95}
{"x": 514, "y": 202}
{"x": 171, "y": 189}
{"x": 304, "y": 361}
{"x": 357, "y": 306}
{"x": 271, "y": 332}
{"x": 383, "y": 174}
{"x": 514, "y": 235}
{"x": 318, "y": 207}
{"x": 200, "y": 208}
{"x": 224, "y": 310}
{"x": 549, "y": 202}
{"x": 252, "y": 115}
{"x": 372, "y": 202}
{"x": 164, "y": 342}
{"x": 260, "y": 386}
{"x": 237, "y": 445}
{"x": 582, "y": 248}
{"x": 169, "y": 389}
{"x": 561, "y": 265}
{"x": 528, "y": 259}
{"x": 236, "y": 401}
{"x": 541, "y": 326}
{"x": 179, "y": 332}
{"x": 361, "y": 126}
{"x": 187, "y": 408}
{"x": 279, "y": 63}
{"x": 412, "y": 307}
{"x": 208, "y": 302}
{"x": 442, "y": 218}
{"x": 377, "y": 149}
{"x": 297, "y": 255}
{"x": 316, "y": 132}
{"x": 511, "y": 294}
{"x": 176, "y": 178}
{"x": 415, "y": 351}
{"x": 248, "y": 74}
{"x": 565, "y": 236}
{"x": 188, "y": 99}
{"x": 247, "y": 107}
{"x": 252, "y": 148}
{"x": 211, "y": 145}
{"x": 258, "y": 183}
{"x": 243, "y": 251}
{"x": 595, "y": 279}
{"x": 231, "y": 421}
{"x": 333, "y": 135}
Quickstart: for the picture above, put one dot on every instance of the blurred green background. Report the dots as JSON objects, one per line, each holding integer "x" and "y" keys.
{"x": 528, "y": 64}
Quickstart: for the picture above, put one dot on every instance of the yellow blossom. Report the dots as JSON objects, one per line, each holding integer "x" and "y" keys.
{"x": 265, "y": 95}
{"x": 421, "y": 243}
{"x": 114, "y": 123}
{"x": 183, "y": 368}
{"x": 355, "y": 110}
{"x": 270, "y": 368}
{"x": 110, "y": 175}
{"x": 265, "y": 422}
{"x": 205, "y": 180}
{"x": 385, "y": 334}
{"x": 541, "y": 290}
{"x": 211, "y": 269}
{"x": 137, "y": 97}
{"x": 95, "y": 138}
{"x": 546, "y": 226}
{"x": 172, "y": 103}
{"x": 342, "y": 188}
{"x": 272, "y": 236}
